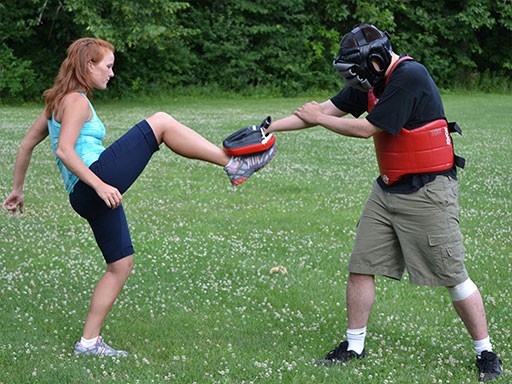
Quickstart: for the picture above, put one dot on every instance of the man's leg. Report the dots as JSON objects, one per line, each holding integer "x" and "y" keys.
{"x": 360, "y": 298}
{"x": 469, "y": 305}
{"x": 472, "y": 312}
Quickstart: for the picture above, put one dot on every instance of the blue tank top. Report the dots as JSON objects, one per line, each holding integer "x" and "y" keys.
{"x": 89, "y": 145}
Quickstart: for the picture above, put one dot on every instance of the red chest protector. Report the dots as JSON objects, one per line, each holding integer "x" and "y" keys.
{"x": 426, "y": 149}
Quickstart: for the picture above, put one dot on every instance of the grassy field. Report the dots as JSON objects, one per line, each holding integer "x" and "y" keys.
{"x": 201, "y": 305}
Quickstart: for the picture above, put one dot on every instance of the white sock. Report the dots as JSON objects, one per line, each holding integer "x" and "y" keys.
{"x": 483, "y": 345}
{"x": 88, "y": 343}
{"x": 355, "y": 338}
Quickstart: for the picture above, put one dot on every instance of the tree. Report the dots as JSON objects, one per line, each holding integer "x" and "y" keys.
{"x": 282, "y": 46}
{"x": 35, "y": 34}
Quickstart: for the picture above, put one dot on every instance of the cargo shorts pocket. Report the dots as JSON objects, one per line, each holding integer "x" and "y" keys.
{"x": 448, "y": 254}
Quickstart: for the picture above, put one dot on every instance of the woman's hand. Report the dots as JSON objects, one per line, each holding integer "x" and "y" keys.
{"x": 38, "y": 132}
{"x": 110, "y": 195}
{"x": 14, "y": 203}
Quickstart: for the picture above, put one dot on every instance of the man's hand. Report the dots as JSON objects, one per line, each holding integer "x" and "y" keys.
{"x": 110, "y": 195}
{"x": 14, "y": 203}
{"x": 309, "y": 112}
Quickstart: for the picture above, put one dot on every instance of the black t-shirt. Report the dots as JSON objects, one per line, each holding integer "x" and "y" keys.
{"x": 409, "y": 100}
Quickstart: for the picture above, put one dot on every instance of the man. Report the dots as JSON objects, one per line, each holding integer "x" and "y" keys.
{"x": 410, "y": 219}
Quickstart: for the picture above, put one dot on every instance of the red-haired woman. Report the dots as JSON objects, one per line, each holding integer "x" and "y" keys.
{"x": 96, "y": 178}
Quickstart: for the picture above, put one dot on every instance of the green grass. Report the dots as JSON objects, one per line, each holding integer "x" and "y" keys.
{"x": 201, "y": 305}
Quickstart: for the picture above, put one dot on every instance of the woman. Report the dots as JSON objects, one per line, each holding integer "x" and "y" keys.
{"x": 96, "y": 178}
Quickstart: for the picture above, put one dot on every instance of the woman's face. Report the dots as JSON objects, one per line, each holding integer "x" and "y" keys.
{"x": 101, "y": 72}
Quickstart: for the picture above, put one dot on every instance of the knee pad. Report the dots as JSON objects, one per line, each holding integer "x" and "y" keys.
{"x": 463, "y": 290}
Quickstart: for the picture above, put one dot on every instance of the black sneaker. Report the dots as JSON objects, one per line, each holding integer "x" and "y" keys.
{"x": 489, "y": 365}
{"x": 340, "y": 355}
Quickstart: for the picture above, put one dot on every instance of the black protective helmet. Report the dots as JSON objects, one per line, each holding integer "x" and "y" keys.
{"x": 359, "y": 49}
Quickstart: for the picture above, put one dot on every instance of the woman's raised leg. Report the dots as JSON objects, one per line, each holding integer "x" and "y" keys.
{"x": 185, "y": 141}
{"x": 188, "y": 143}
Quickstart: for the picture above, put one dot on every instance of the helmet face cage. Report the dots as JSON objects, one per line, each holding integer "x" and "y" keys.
{"x": 361, "y": 63}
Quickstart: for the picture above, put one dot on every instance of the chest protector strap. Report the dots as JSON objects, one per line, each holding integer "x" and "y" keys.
{"x": 426, "y": 149}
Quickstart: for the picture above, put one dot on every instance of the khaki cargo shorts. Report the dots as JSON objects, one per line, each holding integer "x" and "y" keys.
{"x": 418, "y": 232}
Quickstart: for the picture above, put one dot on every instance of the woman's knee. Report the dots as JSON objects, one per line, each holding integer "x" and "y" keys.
{"x": 160, "y": 120}
{"x": 159, "y": 123}
{"x": 122, "y": 267}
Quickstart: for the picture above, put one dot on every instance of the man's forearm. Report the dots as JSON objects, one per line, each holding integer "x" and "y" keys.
{"x": 289, "y": 123}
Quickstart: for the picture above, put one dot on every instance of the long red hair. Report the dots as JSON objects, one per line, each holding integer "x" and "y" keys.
{"x": 72, "y": 74}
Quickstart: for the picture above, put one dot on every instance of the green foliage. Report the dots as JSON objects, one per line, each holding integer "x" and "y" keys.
{"x": 280, "y": 47}
{"x": 39, "y": 31}
{"x": 130, "y": 23}
{"x": 262, "y": 43}
{"x": 16, "y": 75}
{"x": 457, "y": 40}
